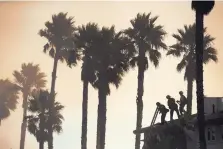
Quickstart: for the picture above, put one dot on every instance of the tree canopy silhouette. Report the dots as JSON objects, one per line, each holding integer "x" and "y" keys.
{"x": 110, "y": 60}
{"x": 28, "y": 78}
{"x": 8, "y": 98}
{"x": 38, "y": 120}
{"x": 60, "y": 35}
{"x": 184, "y": 48}
{"x": 147, "y": 38}
{"x": 86, "y": 42}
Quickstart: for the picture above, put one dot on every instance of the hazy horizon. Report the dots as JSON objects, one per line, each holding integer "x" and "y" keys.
{"x": 20, "y": 43}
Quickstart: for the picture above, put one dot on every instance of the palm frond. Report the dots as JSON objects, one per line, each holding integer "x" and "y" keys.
{"x": 176, "y": 50}
{"x": 12, "y": 100}
{"x": 177, "y": 37}
{"x": 134, "y": 62}
{"x": 32, "y": 125}
{"x": 19, "y": 78}
{"x": 210, "y": 53}
{"x": 131, "y": 33}
{"x": 8, "y": 98}
{"x": 52, "y": 52}
{"x": 57, "y": 128}
{"x": 60, "y": 34}
{"x": 115, "y": 76}
{"x": 144, "y": 29}
{"x": 185, "y": 46}
{"x": 40, "y": 81}
{"x": 46, "y": 47}
{"x": 30, "y": 77}
{"x": 58, "y": 106}
{"x": 208, "y": 40}
{"x": 154, "y": 57}
{"x": 72, "y": 57}
{"x": 34, "y": 105}
{"x": 182, "y": 65}
{"x": 5, "y": 112}
{"x": 38, "y": 122}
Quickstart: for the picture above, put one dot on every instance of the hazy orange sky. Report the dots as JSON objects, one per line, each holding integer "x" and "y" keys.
{"x": 19, "y": 43}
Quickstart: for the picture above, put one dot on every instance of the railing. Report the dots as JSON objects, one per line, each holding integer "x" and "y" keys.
{"x": 155, "y": 116}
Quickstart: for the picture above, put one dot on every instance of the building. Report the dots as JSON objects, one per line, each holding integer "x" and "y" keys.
{"x": 213, "y": 109}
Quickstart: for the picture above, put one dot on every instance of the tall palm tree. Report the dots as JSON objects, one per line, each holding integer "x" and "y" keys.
{"x": 27, "y": 79}
{"x": 111, "y": 53}
{"x": 85, "y": 43}
{"x": 148, "y": 39}
{"x": 59, "y": 34}
{"x": 202, "y": 8}
{"x": 8, "y": 98}
{"x": 185, "y": 48}
{"x": 39, "y": 118}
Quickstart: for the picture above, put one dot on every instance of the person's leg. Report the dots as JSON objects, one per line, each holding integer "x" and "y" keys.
{"x": 177, "y": 111}
{"x": 171, "y": 114}
{"x": 162, "y": 118}
{"x": 181, "y": 109}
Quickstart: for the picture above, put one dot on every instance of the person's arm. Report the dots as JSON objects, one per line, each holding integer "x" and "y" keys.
{"x": 158, "y": 108}
{"x": 168, "y": 103}
{"x": 174, "y": 100}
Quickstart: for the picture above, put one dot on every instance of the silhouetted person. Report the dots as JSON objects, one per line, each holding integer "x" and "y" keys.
{"x": 172, "y": 106}
{"x": 163, "y": 110}
{"x": 182, "y": 102}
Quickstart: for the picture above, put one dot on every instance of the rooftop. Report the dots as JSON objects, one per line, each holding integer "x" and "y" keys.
{"x": 210, "y": 119}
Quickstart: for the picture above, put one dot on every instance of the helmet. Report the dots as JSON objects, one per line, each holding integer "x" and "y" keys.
{"x": 168, "y": 96}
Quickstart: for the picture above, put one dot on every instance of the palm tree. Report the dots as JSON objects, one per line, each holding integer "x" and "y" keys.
{"x": 85, "y": 43}
{"x": 185, "y": 48}
{"x": 8, "y": 98}
{"x": 202, "y": 8}
{"x": 59, "y": 34}
{"x": 148, "y": 39}
{"x": 39, "y": 118}
{"x": 111, "y": 53}
{"x": 28, "y": 78}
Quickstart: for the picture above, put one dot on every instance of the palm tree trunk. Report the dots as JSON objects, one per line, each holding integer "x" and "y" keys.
{"x": 199, "y": 78}
{"x": 139, "y": 101}
{"x": 139, "y": 104}
{"x": 24, "y": 122}
{"x": 98, "y": 126}
{"x": 52, "y": 93}
{"x": 101, "y": 124}
{"x": 189, "y": 95}
{"x": 84, "y": 115}
{"x": 41, "y": 126}
{"x": 41, "y": 145}
{"x": 103, "y": 111}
